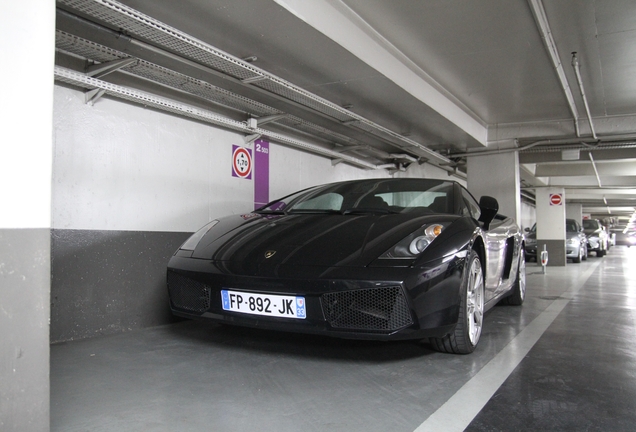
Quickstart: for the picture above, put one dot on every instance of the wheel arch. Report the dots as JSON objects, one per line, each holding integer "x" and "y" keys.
{"x": 479, "y": 247}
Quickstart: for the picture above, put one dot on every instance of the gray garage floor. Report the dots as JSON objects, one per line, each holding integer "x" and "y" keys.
{"x": 566, "y": 360}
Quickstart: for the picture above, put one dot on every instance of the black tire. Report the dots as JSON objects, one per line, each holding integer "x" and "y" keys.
{"x": 600, "y": 253}
{"x": 518, "y": 291}
{"x": 467, "y": 332}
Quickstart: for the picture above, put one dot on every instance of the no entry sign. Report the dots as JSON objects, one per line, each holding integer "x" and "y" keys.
{"x": 241, "y": 162}
{"x": 556, "y": 199}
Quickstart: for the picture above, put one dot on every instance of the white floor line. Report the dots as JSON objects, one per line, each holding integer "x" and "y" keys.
{"x": 458, "y": 411}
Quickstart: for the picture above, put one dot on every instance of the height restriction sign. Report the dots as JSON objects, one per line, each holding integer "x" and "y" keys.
{"x": 241, "y": 162}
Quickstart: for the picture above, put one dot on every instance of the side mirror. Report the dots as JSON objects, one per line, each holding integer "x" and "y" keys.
{"x": 526, "y": 229}
{"x": 489, "y": 208}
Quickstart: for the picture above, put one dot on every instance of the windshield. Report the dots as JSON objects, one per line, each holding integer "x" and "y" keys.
{"x": 590, "y": 224}
{"x": 381, "y": 196}
{"x": 570, "y": 226}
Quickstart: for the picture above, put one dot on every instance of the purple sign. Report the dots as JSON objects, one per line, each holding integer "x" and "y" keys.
{"x": 261, "y": 173}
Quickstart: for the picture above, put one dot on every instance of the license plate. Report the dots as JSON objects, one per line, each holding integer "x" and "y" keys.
{"x": 263, "y": 304}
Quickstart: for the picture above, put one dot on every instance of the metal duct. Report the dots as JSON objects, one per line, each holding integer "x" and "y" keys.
{"x": 165, "y": 104}
{"x": 541, "y": 19}
{"x": 577, "y": 72}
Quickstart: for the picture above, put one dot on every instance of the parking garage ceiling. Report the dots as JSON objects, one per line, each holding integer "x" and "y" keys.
{"x": 382, "y": 84}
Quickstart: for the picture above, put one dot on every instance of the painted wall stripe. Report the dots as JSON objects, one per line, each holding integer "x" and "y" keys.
{"x": 458, "y": 411}
{"x": 261, "y": 173}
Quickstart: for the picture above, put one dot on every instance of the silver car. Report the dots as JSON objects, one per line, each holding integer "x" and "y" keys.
{"x": 575, "y": 243}
{"x": 597, "y": 238}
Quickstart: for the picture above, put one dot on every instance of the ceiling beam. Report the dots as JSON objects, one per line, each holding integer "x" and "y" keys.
{"x": 606, "y": 128}
{"x": 566, "y": 169}
{"x": 590, "y": 181}
{"x": 541, "y": 20}
{"x": 599, "y": 155}
{"x": 168, "y": 42}
{"x": 338, "y": 22}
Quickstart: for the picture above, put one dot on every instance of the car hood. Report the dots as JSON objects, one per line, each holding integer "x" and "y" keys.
{"x": 307, "y": 239}
{"x": 589, "y": 232}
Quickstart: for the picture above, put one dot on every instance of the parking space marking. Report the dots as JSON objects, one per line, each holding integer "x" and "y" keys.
{"x": 460, "y": 410}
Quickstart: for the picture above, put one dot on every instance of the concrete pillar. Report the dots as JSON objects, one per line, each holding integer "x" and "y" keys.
{"x": 574, "y": 211}
{"x": 497, "y": 176}
{"x": 27, "y": 32}
{"x": 551, "y": 224}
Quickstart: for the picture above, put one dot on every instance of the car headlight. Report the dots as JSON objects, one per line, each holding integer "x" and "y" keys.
{"x": 573, "y": 242}
{"x": 191, "y": 243}
{"x": 531, "y": 241}
{"x": 415, "y": 243}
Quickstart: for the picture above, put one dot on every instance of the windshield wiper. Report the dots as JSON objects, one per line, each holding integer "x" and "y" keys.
{"x": 270, "y": 212}
{"x": 314, "y": 211}
{"x": 362, "y": 210}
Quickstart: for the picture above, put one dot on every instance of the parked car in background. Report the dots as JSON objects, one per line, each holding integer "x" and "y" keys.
{"x": 597, "y": 237}
{"x": 625, "y": 239}
{"x": 531, "y": 243}
{"x": 575, "y": 243}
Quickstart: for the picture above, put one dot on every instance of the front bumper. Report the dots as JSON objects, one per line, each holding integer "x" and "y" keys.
{"x": 365, "y": 303}
{"x": 594, "y": 244}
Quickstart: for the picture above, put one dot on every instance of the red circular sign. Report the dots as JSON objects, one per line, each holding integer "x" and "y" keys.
{"x": 242, "y": 162}
{"x": 556, "y": 199}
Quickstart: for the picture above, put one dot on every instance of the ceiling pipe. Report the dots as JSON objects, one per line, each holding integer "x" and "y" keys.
{"x": 541, "y": 20}
{"x": 598, "y": 178}
{"x": 577, "y": 72}
{"x": 593, "y": 188}
{"x": 609, "y": 210}
{"x": 557, "y": 145}
{"x": 403, "y": 156}
{"x": 165, "y": 104}
{"x": 607, "y": 138}
{"x": 377, "y": 130}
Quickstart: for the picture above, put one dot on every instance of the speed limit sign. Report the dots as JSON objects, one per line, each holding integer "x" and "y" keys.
{"x": 241, "y": 162}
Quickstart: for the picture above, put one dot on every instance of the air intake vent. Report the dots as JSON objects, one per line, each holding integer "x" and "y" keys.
{"x": 188, "y": 294}
{"x": 377, "y": 309}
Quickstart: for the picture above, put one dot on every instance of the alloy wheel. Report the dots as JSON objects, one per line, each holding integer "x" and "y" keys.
{"x": 475, "y": 302}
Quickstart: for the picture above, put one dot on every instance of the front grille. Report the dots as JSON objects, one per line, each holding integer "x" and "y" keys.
{"x": 188, "y": 294}
{"x": 373, "y": 309}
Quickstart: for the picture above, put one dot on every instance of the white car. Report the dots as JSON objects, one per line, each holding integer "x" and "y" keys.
{"x": 597, "y": 237}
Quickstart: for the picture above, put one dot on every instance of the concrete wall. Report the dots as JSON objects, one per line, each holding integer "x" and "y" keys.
{"x": 528, "y": 215}
{"x": 574, "y": 211}
{"x": 26, "y": 86}
{"x": 497, "y": 175}
{"x": 551, "y": 225}
{"x": 130, "y": 185}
